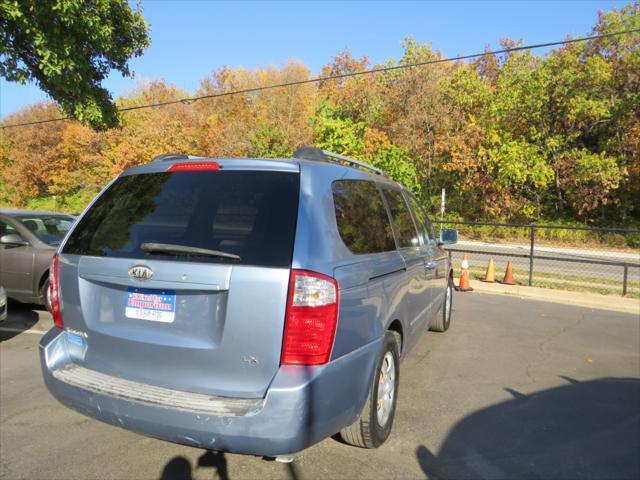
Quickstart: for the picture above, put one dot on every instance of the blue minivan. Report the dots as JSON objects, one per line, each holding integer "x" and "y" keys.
{"x": 253, "y": 306}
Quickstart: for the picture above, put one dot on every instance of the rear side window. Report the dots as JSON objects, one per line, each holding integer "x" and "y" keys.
{"x": 402, "y": 221}
{"x": 424, "y": 224}
{"x": 249, "y": 214}
{"x": 362, "y": 219}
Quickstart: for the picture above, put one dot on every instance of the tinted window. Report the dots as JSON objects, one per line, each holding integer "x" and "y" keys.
{"x": 6, "y": 229}
{"x": 250, "y": 214}
{"x": 362, "y": 219}
{"x": 424, "y": 224}
{"x": 402, "y": 221}
{"x": 50, "y": 229}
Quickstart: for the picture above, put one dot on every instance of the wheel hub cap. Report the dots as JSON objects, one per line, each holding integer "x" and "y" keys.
{"x": 386, "y": 389}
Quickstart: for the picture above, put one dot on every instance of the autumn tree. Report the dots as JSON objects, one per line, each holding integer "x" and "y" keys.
{"x": 30, "y": 155}
{"x": 268, "y": 123}
{"x": 514, "y": 136}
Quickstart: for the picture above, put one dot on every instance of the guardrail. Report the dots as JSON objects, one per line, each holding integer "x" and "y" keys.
{"x": 608, "y": 267}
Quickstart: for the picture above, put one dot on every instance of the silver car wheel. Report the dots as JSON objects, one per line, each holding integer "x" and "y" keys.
{"x": 386, "y": 389}
{"x": 47, "y": 298}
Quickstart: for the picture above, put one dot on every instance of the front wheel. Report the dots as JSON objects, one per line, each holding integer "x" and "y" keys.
{"x": 374, "y": 424}
{"x": 441, "y": 324}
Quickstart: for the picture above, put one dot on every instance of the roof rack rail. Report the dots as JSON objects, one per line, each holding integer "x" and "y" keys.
{"x": 170, "y": 156}
{"x": 317, "y": 154}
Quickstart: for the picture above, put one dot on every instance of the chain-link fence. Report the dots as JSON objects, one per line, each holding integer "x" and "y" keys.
{"x": 600, "y": 260}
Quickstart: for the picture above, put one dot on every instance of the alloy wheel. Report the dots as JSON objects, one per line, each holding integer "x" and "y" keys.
{"x": 386, "y": 389}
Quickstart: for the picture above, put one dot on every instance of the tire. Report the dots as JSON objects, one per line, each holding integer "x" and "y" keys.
{"x": 372, "y": 429}
{"x": 44, "y": 294}
{"x": 441, "y": 323}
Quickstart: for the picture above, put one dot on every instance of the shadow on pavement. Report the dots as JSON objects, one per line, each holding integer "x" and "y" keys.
{"x": 179, "y": 468}
{"x": 215, "y": 460}
{"x": 293, "y": 471}
{"x": 22, "y": 316}
{"x": 584, "y": 429}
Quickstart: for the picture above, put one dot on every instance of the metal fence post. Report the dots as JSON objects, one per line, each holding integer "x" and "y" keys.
{"x": 625, "y": 275}
{"x": 533, "y": 236}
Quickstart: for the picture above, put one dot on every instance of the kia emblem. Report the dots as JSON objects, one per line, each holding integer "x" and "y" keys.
{"x": 140, "y": 272}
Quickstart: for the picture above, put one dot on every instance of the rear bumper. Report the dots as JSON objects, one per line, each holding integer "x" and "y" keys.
{"x": 302, "y": 406}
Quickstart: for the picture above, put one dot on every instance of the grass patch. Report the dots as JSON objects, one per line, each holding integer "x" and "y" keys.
{"x": 575, "y": 283}
{"x": 567, "y": 277}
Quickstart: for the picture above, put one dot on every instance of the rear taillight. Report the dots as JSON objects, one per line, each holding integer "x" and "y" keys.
{"x": 194, "y": 166}
{"x": 54, "y": 293}
{"x": 311, "y": 319}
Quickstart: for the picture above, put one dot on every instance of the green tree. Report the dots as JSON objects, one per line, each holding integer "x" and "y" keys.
{"x": 340, "y": 134}
{"x": 519, "y": 136}
{"x": 68, "y": 47}
{"x": 268, "y": 142}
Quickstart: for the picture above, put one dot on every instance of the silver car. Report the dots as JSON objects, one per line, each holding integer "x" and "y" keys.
{"x": 3, "y": 304}
{"x": 246, "y": 305}
{"x": 28, "y": 240}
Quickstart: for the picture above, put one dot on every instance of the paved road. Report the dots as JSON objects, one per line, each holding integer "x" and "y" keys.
{"x": 515, "y": 389}
{"x": 563, "y": 266}
{"x": 628, "y": 256}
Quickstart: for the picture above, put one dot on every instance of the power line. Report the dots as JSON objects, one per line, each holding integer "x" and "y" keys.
{"x": 189, "y": 100}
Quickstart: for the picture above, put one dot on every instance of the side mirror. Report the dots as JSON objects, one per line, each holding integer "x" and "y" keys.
{"x": 448, "y": 236}
{"x": 13, "y": 239}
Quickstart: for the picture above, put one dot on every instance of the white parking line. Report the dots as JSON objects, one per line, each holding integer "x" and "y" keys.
{"x": 18, "y": 330}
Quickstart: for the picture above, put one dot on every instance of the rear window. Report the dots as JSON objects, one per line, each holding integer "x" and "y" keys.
{"x": 362, "y": 219}
{"x": 249, "y": 214}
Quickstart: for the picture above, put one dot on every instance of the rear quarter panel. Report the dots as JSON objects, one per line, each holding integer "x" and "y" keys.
{"x": 371, "y": 292}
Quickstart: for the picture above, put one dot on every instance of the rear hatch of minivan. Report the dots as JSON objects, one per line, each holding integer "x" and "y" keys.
{"x": 178, "y": 278}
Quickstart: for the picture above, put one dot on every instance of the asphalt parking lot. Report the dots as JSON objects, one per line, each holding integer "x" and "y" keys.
{"x": 515, "y": 389}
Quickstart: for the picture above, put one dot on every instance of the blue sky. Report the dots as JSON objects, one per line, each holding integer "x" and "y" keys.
{"x": 190, "y": 39}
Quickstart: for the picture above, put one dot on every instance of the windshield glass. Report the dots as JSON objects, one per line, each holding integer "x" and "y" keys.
{"x": 246, "y": 214}
{"x": 50, "y": 229}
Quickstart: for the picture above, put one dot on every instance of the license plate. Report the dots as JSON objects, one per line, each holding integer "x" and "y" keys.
{"x": 154, "y": 305}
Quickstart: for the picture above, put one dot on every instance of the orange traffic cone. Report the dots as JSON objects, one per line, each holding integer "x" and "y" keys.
{"x": 508, "y": 275}
{"x": 489, "y": 277}
{"x": 463, "y": 284}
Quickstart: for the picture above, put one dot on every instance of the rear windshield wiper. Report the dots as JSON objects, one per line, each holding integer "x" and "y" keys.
{"x": 152, "y": 247}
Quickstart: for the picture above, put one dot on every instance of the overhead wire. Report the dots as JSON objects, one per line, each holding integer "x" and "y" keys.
{"x": 189, "y": 100}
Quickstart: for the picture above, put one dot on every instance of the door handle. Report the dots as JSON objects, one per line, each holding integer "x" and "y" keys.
{"x": 430, "y": 265}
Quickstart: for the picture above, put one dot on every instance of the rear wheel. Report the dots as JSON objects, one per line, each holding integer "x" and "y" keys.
{"x": 374, "y": 424}
{"x": 441, "y": 324}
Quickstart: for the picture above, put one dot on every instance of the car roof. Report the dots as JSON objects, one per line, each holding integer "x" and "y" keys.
{"x": 32, "y": 212}
{"x": 274, "y": 164}
{"x": 341, "y": 170}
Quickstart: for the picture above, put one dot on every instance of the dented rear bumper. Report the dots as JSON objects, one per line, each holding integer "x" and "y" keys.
{"x": 303, "y": 405}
